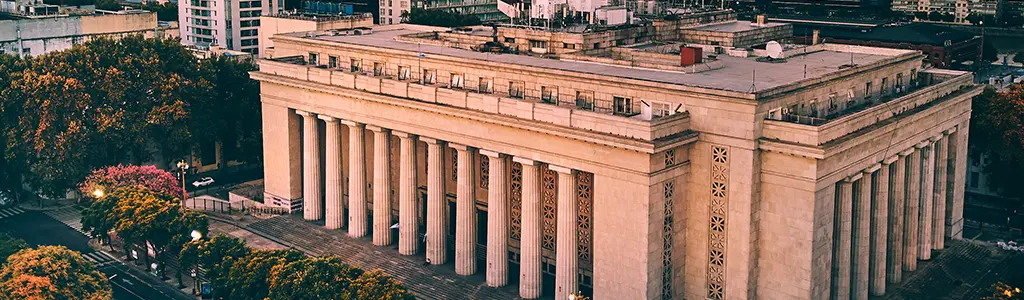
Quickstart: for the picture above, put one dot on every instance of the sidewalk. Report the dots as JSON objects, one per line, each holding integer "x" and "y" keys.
{"x": 425, "y": 281}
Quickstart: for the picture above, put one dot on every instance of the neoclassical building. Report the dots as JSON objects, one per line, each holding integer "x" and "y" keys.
{"x": 827, "y": 174}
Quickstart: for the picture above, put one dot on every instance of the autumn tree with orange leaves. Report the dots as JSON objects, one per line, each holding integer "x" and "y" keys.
{"x": 51, "y": 272}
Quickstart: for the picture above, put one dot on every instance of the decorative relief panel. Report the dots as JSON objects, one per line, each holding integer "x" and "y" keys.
{"x": 549, "y": 194}
{"x": 666, "y": 256}
{"x": 670, "y": 157}
{"x": 485, "y": 171}
{"x": 718, "y": 222}
{"x": 516, "y": 202}
{"x": 585, "y": 221}
{"x": 455, "y": 166}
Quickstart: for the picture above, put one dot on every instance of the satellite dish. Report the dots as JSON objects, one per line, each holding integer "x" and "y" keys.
{"x": 774, "y": 50}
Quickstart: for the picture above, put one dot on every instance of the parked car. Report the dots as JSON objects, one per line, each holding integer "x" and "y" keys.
{"x": 205, "y": 181}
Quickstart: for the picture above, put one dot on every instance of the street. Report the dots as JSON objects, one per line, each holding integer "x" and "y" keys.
{"x": 38, "y": 228}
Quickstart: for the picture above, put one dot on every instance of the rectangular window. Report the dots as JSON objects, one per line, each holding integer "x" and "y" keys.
{"x": 403, "y": 72}
{"x": 332, "y": 62}
{"x": 867, "y": 90}
{"x": 250, "y": 42}
{"x": 355, "y": 65}
{"x": 585, "y": 100}
{"x": 249, "y": 32}
{"x": 510, "y": 40}
{"x": 249, "y": 23}
{"x": 429, "y": 76}
{"x": 314, "y": 59}
{"x": 378, "y": 69}
{"x": 486, "y": 85}
{"x": 516, "y": 89}
{"x": 885, "y": 86}
{"x": 538, "y": 44}
{"x": 623, "y": 105}
{"x": 549, "y": 94}
{"x": 456, "y": 82}
{"x": 899, "y": 83}
{"x": 659, "y": 109}
{"x": 913, "y": 77}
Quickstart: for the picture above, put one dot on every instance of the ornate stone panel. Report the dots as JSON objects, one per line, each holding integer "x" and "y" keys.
{"x": 485, "y": 171}
{"x": 718, "y": 222}
{"x": 585, "y": 234}
{"x": 666, "y": 258}
{"x": 516, "y": 202}
{"x": 549, "y": 211}
{"x": 455, "y": 166}
{"x": 670, "y": 157}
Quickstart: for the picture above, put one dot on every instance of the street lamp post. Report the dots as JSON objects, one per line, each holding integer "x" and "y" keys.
{"x": 183, "y": 166}
{"x": 196, "y": 235}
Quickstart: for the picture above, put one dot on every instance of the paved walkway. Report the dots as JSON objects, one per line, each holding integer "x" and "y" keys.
{"x": 427, "y": 282}
{"x": 964, "y": 270}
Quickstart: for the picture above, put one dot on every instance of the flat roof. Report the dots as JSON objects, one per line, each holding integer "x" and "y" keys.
{"x": 738, "y": 26}
{"x": 737, "y": 74}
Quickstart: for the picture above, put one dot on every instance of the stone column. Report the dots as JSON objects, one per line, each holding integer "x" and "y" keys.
{"x": 497, "y": 220}
{"x": 310, "y": 166}
{"x": 843, "y": 249}
{"x": 334, "y": 175}
{"x": 880, "y": 227}
{"x": 924, "y": 247}
{"x": 381, "y": 186}
{"x": 939, "y": 202}
{"x": 408, "y": 227}
{"x": 357, "y": 219}
{"x": 437, "y": 224}
{"x": 566, "y": 259}
{"x": 911, "y": 214}
{"x": 862, "y": 235}
{"x": 894, "y": 267}
{"x": 465, "y": 215}
{"x": 530, "y": 260}
{"x": 957, "y": 178}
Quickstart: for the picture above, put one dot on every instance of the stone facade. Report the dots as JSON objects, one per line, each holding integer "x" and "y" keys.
{"x": 716, "y": 190}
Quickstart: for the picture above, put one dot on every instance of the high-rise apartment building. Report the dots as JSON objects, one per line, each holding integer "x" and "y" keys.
{"x": 231, "y": 24}
{"x": 391, "y": 11}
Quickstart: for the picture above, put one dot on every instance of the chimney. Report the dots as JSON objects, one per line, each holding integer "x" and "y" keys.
{"x": 760, "y": 20}
{"x": 689, "y": 56}
{"x": 815, "y": 36}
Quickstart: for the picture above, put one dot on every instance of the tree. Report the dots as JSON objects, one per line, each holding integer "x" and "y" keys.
{"x": 168, "y": 11}
{"x": 111, "y": 178}
{"x": 216, "y": 255}
{"x": 241, "y": 131}
{"x": 934, "y": 16}
{"x": 140, "y": 216}
{"x": 439, "y": 17}
{"x": 9, "y": 246}
{"x": 1003, "y": 291}
{"x": 11, "y": 68}
{"x": 997, "y": 131}
{"x": 52, "y": 272}
{"x": 1019, "y": 57}
{"x": 921, "y": 15}
{"x": 974, "y": 18}
{"x": 375, "y": 284}
{"x": 182, "y": 229}
{"x": 305, "y": 279}
{"x": 249, "y": 277}
{"x": 113, "y": 5}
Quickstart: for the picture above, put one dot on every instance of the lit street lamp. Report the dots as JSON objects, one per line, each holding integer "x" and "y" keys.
{"x": 183, "y": 166}
{"x": 98, "y": 193}
{"x": 196, "y": 235}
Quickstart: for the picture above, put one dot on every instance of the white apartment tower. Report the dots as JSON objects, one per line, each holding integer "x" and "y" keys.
{"x": 391, "y": 11}
{"x": 231, "y": 24}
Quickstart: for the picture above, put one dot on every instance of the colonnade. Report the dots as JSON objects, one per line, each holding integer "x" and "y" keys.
{"x": 436, "y": 252}
{"x": 890, "y": 215}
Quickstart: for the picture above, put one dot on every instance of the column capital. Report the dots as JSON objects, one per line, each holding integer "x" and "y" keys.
{"x": 402, "y": 134}
{"x": 490, "y": 153}
{"x": 375, "y": 128}
{"x": 351, "y": 123}
{"x": 560, "y": 169}
{"x": 460, "y": 147}
{"x": 873, "y": 168}
{"x": 951, "y": 130}
{"x": 432, "y": 140}
{"x": 524, "y": 161}
{"x": 923, "y": 144}
{"x": 907, "y": 152}
{"x": 303, "y": 113}
{"x": 935, "y": 138}
{"x": 853, "y": 178}
{"x": 890, "y": 160}
{"x": 327, "y": 118}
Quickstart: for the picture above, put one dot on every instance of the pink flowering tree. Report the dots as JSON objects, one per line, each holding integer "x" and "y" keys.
{"x": 108, "y": 179}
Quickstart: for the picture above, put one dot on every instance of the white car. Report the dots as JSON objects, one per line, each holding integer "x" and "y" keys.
{"x": 205, "y": 181}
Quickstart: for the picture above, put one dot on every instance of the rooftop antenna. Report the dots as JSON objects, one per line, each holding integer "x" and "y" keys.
{"x": 753, "y": 79}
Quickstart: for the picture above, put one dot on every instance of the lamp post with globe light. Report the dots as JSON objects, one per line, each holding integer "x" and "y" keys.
{"x": 183, "y": 166}
{"x": 196, "y": 235}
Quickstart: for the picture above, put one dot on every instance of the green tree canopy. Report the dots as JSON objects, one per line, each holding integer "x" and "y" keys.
{"x": 249, "y": 277}
{"x": 997, "y": 131}
{"x": 10, "y": 245}
{"x": 216, "y": 255}
{"x": 308, "y": 278}
{"x": 439, "y": 17}
{"x": 52, "y": 272}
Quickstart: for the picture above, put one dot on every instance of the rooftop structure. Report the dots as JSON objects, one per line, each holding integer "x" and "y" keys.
{"x": 945, "y": 47}
{"x": 287, "y": 22}
{"x": 626, "y": 172}
{"x": 39, "y": 34}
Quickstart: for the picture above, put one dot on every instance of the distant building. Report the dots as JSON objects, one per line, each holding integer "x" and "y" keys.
{"x": 945, "y": 47}
{"x": 486, "y": 10}
{"x": 959, "y": 9}
{"x": 228, "y": 23}
{"x": 34, "y": 28}
{"x": 300, "y": 22}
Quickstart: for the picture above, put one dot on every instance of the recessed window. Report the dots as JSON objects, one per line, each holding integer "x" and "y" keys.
{"x": 355, "y": 65}
{"x": 867, "y": 90}
{"x": 378, "y": 69}
{"x": 429, "y": 76}
{"x": 516, "y": 89}
{"x": 403, "y": 72}
{"x": 456, "y": 81}
{"x": 486, "y": 85}
{"x": 623, "y": 105}
{"x": 885, "y": 86}
{"x": 314, "y": 59}
{"x": 549, "y": 94}
{"x": 585, "y": 100}
{"x": 332, "y": 61}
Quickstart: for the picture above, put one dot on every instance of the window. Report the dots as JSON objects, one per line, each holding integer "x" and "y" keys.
{"x": 538, "y": 44}
{"x": 549, "y": 94}
{"x": 623, "y": 105}
{"x": 249, "y": 32}
{"x": 403, "y": 72}
{"x": 659, "y": 109}
{"x": 378, "y": 69}
{"x": 832, "y": 106}
{"x": 867, "y": 90}
{"x": 332, "y": 62}
{"x": 250, "y": 23}
{"x": 899, "y": 83}
{"x": 516, "y": 89}
{"x": 202, "y": 31}
{"x": 814, "y": 108}
{"x": 249, "y": 13}
{"x": 250, "y": 42}
{"x": 486, "y": 85}
{"x": 429, "y": 76}
{"x": 390, "y": 12}
{"x": 913, "y": 77}
{"x": 456, "y": 82}
{"x": 355, "y": 65}
{"x": 585, "y": 100}
{"x": 314, "y": 59}
{"x": 597, "y": 45}
{"x": 510, "y": 40}
{"x": 885, "y": 86}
